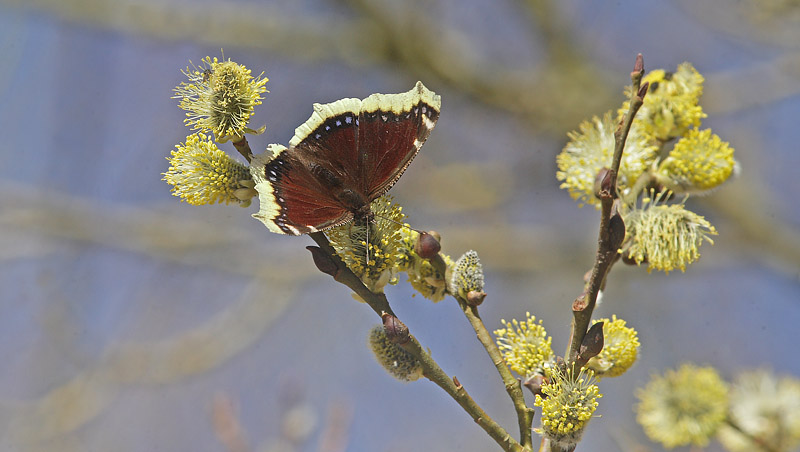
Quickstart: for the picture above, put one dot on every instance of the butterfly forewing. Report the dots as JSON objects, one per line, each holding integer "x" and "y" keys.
{"x": 329, "y": 138}
{"x": 392, "y": 128}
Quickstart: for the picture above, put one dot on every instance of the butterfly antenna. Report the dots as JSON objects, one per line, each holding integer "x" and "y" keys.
{"x": 351, "y": 233}
{"x": 405, "y": 225}
{"x": 366, "y": 264}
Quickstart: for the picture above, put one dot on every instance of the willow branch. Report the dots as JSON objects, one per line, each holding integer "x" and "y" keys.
{"x": 328, "y": 261}
{"x": 342, "y": 274}
{"x": 453, "y": 387}
{"x": 513, "y": 385}
{"x": 608, "y": 237}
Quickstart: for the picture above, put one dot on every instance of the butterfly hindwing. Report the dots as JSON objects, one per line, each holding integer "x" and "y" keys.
{"x": 292, "y": 200}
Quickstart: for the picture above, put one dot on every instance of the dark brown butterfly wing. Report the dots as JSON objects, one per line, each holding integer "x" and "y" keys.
{"x": 391, "y": 130}
{"x": 348, "y": 153}
{"x": 292, "y": 199}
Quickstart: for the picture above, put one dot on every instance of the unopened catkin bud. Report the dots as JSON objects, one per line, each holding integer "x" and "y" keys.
{"x": 468, "y": 277}
{"x": 399, "y": 363}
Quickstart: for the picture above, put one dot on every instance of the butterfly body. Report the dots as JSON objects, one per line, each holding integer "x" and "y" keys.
{"x": 347, "y": 154}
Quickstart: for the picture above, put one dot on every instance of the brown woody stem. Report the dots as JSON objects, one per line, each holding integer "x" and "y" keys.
{"x": 431, "y": 369}
{"x": 606, "y": 253}
{"x": 377, "y": 301}
{"x": 434, "y": 373}
{"x": 513, "y": 385}
{"x": 244, "y": 148}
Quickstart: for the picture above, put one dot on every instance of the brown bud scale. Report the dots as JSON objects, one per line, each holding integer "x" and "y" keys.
{"x": 427, "y": 246}
{"x": 396, "y": 330}
{"x": 475, "y": 298}
{"x": 323, "y": 261}
{"x": 580, "y": 303}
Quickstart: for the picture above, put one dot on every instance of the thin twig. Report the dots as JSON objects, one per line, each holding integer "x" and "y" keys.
{"x": 453, "y": 387}
{"x": 377, "y": 301}
{"x": 431, "y": 369}
{"x": 583, "y": 306}
{"x": 513, "y": 385}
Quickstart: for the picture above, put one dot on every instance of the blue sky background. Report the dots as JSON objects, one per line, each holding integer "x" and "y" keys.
{"x": 130, "y": 320}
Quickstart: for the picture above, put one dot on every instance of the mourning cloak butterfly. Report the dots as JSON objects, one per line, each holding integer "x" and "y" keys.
{"x": 347, "y": 154}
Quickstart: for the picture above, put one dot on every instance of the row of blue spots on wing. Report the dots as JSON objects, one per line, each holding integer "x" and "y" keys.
{"x": 335, "y": 123}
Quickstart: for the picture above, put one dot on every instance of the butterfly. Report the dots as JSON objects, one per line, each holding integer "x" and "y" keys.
{"x": 347, "y": 154}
